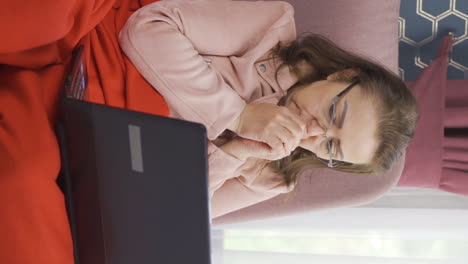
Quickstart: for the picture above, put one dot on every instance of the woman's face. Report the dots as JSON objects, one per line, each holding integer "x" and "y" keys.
{"x": 355, "y": 122}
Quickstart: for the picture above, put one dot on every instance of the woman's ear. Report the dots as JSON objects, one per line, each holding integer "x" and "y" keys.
{"x": 304, "y": 70}
{"x": 346, "y": 74}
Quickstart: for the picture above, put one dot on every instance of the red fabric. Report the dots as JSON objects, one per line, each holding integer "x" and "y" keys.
{"x": 38, "y": 37}
{"x": 433, "y": 159}
{"x": 113, "y": 79}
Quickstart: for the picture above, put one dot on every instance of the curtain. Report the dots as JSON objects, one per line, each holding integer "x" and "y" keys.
{"x": 407, "y": 225}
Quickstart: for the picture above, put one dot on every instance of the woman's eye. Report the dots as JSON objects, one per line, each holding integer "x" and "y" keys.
{"x": 329, "y": 146}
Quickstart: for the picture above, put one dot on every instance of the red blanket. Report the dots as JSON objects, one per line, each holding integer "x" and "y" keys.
{"x": 35, "y": 50}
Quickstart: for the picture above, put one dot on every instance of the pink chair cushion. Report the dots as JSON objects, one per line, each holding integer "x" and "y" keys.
{"x": 434, "y": 160}
{"x": 424, "y": 154}
{"x": 367, "y": 27}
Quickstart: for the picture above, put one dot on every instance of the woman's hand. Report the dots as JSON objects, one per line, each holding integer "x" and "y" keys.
{"x": 243, "y": 148}
{"x": 276, "y": 126}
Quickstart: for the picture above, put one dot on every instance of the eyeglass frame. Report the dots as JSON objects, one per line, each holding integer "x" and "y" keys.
{"x": 335, "y": 100}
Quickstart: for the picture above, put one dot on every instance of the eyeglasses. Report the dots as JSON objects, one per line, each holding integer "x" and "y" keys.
{"x": 332, "y": 112}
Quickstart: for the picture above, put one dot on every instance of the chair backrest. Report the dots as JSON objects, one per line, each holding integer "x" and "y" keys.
{"x": 367, "y": 27}
{"x": 320, "y": 189}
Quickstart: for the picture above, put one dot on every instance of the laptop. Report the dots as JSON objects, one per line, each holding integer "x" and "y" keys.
{"x": 136, "y": 184}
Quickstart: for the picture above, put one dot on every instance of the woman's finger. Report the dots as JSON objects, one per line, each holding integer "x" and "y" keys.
{"x": 287, "y": 136}
{"x": 298, "y": 126}
{"x": 274, "y": 141}
{"x": 294, "y": 123}
{"x": 261, "y": 150}
{"x": 289, "y": 140}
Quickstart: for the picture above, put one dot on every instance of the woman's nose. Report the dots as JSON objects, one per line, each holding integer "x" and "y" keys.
{"x": 314, "y": 129}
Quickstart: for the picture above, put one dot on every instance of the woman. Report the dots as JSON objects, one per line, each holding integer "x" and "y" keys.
{"x": 271, "y": 103}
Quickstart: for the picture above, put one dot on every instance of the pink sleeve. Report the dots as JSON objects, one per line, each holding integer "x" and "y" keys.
{"x": 221, "y": 166}
{"x": 164, "y": 41}
{"x": 250, "y": 184}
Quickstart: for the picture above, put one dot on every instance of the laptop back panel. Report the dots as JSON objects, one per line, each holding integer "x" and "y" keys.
{"x": 139, "y": 186}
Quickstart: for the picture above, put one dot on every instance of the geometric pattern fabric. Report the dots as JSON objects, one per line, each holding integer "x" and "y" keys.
{"x": 422, "y": 25}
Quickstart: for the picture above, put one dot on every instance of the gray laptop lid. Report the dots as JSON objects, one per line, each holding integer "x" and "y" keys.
{"x": 138, "y": 186}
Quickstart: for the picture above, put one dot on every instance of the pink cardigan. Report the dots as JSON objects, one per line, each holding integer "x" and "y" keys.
{"x": 208, "y": 59}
